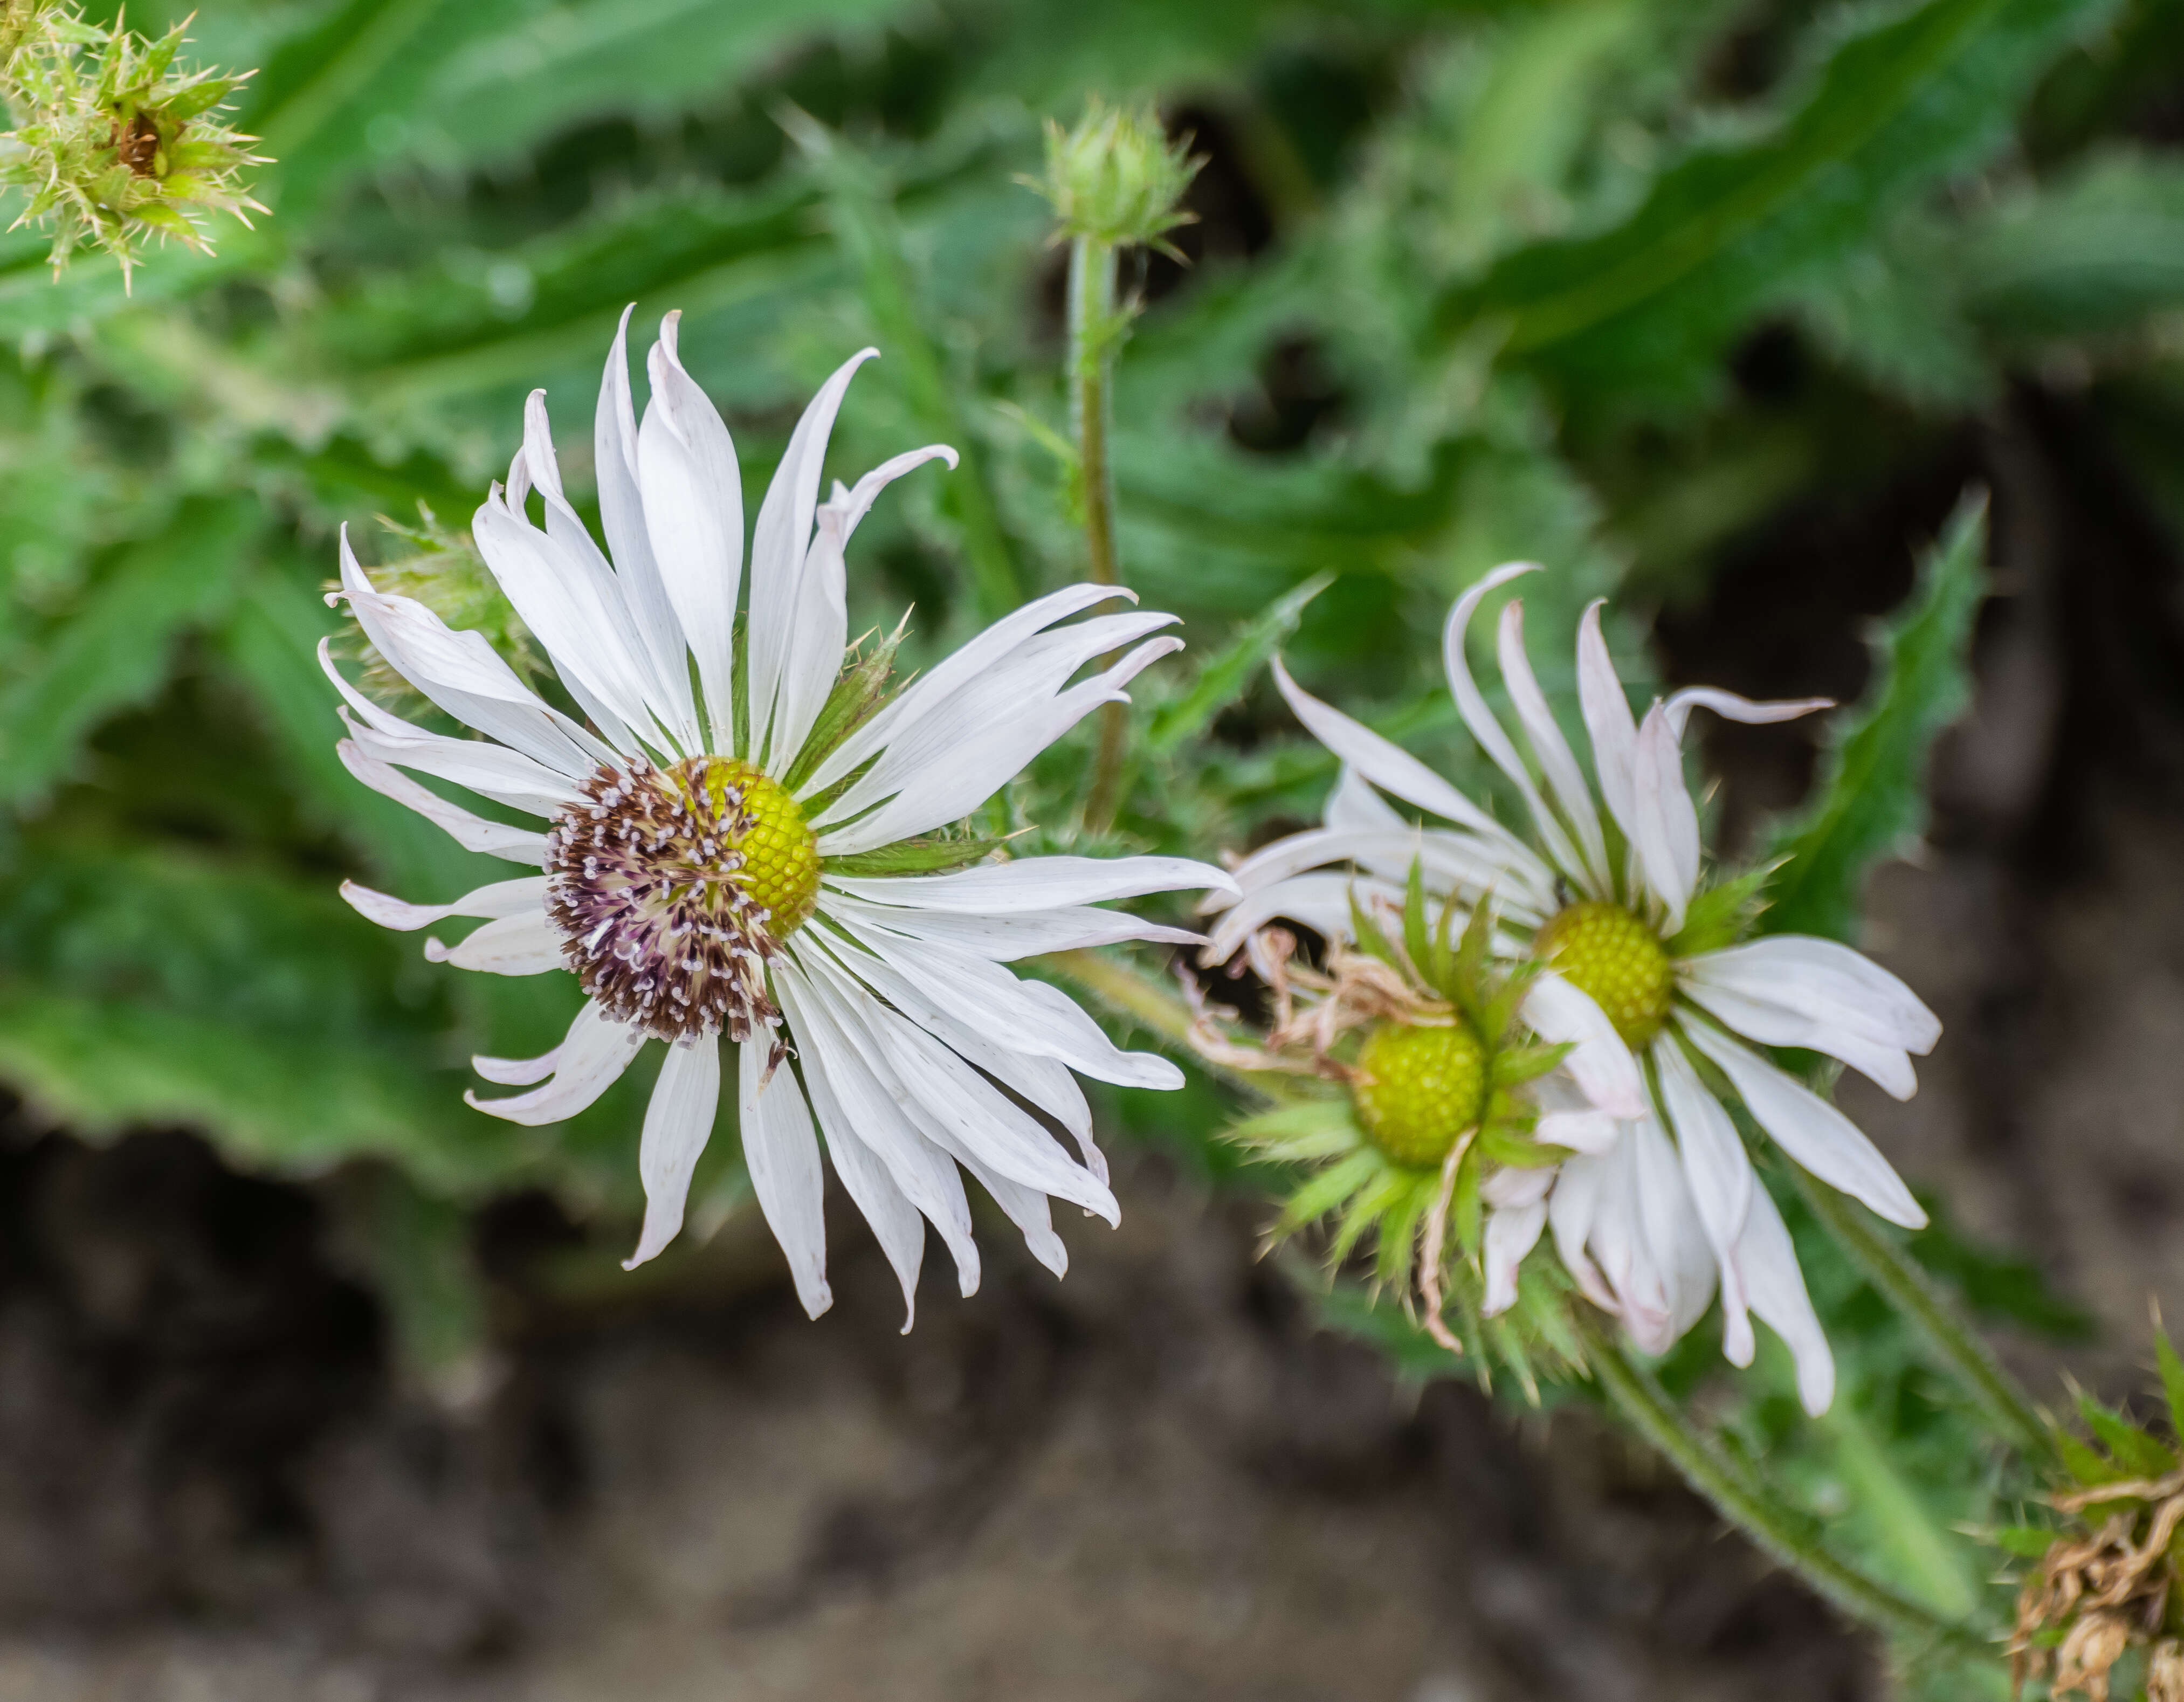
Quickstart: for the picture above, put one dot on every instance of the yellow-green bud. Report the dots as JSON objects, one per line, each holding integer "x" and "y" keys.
{"x": 1417, "y": 1089}
{"x": 113, "y": 142}
{"x": 1607, "y": 953}
{"x": 1117, "y": 178}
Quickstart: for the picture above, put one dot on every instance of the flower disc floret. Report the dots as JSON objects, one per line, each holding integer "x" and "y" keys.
{"x": 1417, "y": 1089}
{"x": 673, "y": 887}
{"x": 1615, "y": 959}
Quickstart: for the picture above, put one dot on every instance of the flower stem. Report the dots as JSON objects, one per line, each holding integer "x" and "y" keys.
{"x": 1785, "y": 1535}
{"x": 1094, "y": 332}
{"x": 1891, "y": 1270}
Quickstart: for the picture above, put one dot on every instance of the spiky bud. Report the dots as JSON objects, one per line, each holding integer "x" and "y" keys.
{"x": 1117, "y": 178}
{"x": 115, "y": 142}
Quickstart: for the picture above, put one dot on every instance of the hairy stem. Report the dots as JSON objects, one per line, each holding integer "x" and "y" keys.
{"x": 1783, "y": 1533}
{"x": 1907, "y": 1288}
{"x": 1094, "y": 332}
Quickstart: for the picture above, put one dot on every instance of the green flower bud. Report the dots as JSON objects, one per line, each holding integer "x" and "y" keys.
{"x": 112, "y": 143}
{"x": 1117, "y": 178}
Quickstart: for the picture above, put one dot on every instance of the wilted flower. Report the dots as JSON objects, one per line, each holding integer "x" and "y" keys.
{"x": 1428, "y": 1101}
{"x": 113, "y": 141}
{"x": 738, "y": 839}
{"x": 1643, "y": 976}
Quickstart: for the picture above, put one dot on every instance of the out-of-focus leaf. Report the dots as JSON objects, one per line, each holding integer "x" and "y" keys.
{"x": 1225, "y": 676}
{"x": 1731, "y": 231}
{"x": 114, "y": 650}
{"x": 1873, "y": 801}
{"x": 2095, "y": 253}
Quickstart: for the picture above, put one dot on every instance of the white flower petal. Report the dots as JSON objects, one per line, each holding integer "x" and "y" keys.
{"x": 621, "y": 517}
{"x": 960, "y": 1110}
{"x": 678, "y": 1123}
{"x": 1777, "y": 1290}
{"x": 1608, "y": 724}
{"x": 1731, "y": 708}
{"x": 1718, "y": 1173}
{"x": 818, "y": 635}
{"x": 1600, "y": 1063}
{"x": 1449, "y": 863}
{"x": 1822, "y": 979}
{"x": 1667, "y": 839}
{"x": 471, "y": 832}
{"x": 953, "y": 673}
{"x": 1353, "y": 807}
{"x": 1024, "y": 1016}
{"x": 664, "y": 684}
{"x": 693, "y": 516}
{"x": 1393, "y": 769}
{"x": 517, "y": 1072}
{"x": 1320, "y": 902}
{"x": 783, "y": 1156}
{"x": 895, "y": 1222}
{"x": 1512, "y": 1231}
{"x": 571, "y": 605}
{"x": 1565, "y": 779}
{"x": 1810, "y": 1130}
{"x": 1888, "y": 1067}
{"x": 779, "y": 538}
{"x": 501, "y": 898}
{"x": 1471, "y": 703}
{"x": 1043, "y": 1082}
{"x": 1005, "y": 939}
{"x": 1014, "y": 691}
{"x": 1588, "y": 1132}
{"x": 865, "y": 1086}
{"x": 957, "y": 780}
{"x": 1573, "y": 1210}
{"x": 527, "y": 944}
{"x": 1035, "y": 883}
{"x": 1678, "y": 1263}
{"x": 490, "y": 770}
{"x": 588, "y": 1062}
{"x": 463, "y": 675}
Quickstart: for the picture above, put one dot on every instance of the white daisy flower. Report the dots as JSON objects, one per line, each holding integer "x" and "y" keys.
{"x": 1644, "y": 979}
{"x": 732, "y": 847}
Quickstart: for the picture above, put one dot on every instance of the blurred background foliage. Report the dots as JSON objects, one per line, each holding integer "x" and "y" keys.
{"x": 1604, "y": 283}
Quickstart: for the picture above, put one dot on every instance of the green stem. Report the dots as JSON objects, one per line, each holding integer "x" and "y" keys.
{"x": 1093, "y": 333}
{"x": 1781, "y": 1532}
{"x": 1891, "y": 1270}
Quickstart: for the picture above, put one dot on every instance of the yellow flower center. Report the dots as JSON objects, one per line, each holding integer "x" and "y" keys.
{"x": 1604, "y": 951}
{"x": 780, "y": 853}
{"x": 1417, "y": 1089}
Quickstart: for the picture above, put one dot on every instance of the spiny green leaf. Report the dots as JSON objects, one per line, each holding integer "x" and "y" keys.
{"x": 115, "y": 650}
{"x": 1651, "y": 301}
{"x": 2172, "y": 1379}
{"x": 1872, "y": 802}
{"x": 2131, "y": 1446}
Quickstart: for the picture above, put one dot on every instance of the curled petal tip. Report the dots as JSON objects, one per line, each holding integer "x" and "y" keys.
{"x": 434, "y": 952}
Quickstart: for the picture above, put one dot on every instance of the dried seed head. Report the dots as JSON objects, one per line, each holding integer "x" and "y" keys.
{"x": 671, "y": 888}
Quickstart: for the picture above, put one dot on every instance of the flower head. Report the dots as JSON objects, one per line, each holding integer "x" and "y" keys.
{"x": 745, "y": 839}
{"x": 1642, "y": 975}
{"x": 1428, "y": 1100}
{"x": 113, "y": 142}
{"x": 1116, "y": 178}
